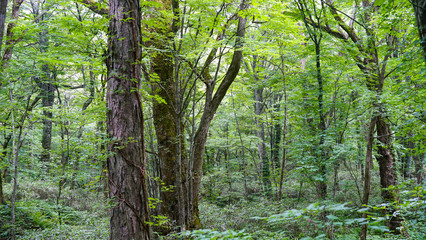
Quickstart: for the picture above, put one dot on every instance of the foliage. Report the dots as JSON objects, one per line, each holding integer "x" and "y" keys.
{"x": 67, "y": 197}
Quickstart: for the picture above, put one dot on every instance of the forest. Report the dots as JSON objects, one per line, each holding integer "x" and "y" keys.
{"x": 212, "y": 119}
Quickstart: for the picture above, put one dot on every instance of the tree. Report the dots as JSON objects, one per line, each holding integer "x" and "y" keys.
{"x": 315, "y": 35}
{"x": 179, "y": 174}
{"x": 11, "y": 39}
{"x": 374, "y": 70}
{"x": 420, "y": 14}
{"x": 45, "y": 81}
{"x": 3, "y": 8}
{"x": 126, "y": 165}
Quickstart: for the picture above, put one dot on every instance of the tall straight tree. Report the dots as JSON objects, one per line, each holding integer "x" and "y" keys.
{"x": 45, "y": 81}
{"x": 126, "y": 165}
{"x": 315, "y": 34}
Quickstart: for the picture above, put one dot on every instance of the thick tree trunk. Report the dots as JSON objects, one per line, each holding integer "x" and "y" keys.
{"x": 420, "y": 13}
{"x": 387, "y": 167}
{"x": 171, "y": 147}
{"x": 126, "y": 166}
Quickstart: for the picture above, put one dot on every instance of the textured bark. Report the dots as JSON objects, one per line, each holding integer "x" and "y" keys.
{"x": 420, "y": 13}
{"x": 386, "y": 162}
{"x": 166, "y": 124}
{"x": 126, "y": 166}
{"x": 3, "y": 7}
{"x": 168, "y": 119}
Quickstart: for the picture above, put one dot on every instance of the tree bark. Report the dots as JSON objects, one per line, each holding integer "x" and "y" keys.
{"x": 3, "y": 8}
{"x": 166, "y": 124}
{"x": 126, "y": 166}
{"x": 387, "y": 167}
{"x": 420, "y": 14}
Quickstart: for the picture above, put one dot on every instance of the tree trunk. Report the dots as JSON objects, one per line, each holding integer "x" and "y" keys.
{"x": 212, "y": 102}
{"x": 322, "y": 184}
{"x": 418, "y": 163}
{"x": 126, "y": 166}
{"x": 47, "y": 91}
{"x": 284, "y": 158}
{"x": 261, "y": 146}
{"x": 367, "y": 172}
{"x": 3, "y": 8}
{"x": 275, "y": 151}
{"x": 242, "y": 148}
{"x": 387, "y": 167}
{"x": 165, "y": 129}
{"x": 420, "y": 13}
{"x": 10, "y": 38}
{"x": 3, "y": 173}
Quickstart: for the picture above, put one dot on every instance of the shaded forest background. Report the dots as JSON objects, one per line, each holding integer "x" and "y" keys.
{"x": 212, "y": 119}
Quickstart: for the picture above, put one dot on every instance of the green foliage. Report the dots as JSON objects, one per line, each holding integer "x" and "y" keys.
{"x": 27, "y": 218}
{"x": 205, "y": 234}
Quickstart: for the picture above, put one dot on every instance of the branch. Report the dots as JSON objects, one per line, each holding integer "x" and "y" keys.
{"x": 326, "y": 28}
{"x": 350, "y": 31}
{"x": 95, "y": 7}
{"x": 234, "y": 67}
